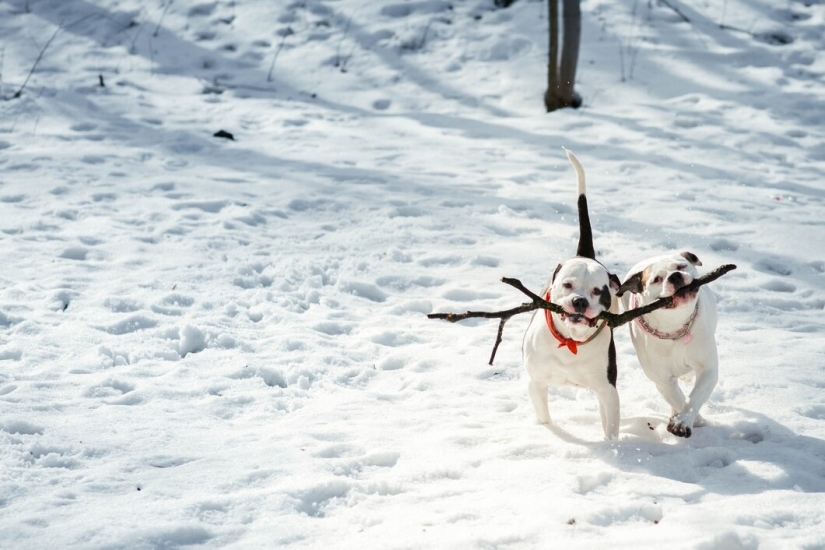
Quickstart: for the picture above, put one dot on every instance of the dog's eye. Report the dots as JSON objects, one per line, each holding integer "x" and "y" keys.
{"x": 681, "y": 267}
{"x": 568, "y": 286}
{"x": 597, "y": 291}
{"x": 657, "y": 280}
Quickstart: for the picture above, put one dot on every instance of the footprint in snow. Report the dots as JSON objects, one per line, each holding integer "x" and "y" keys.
{"x": 109, "y": 358}
{"x": 774, "y": 267}
{"x": 163, "y": 462}
{"x": 22, "y": 427}
{"x": 122, "y": 305}
{"x": 588, "y": 483}
{"x": 211, "y": 511}
{"x": 331, "y": 328}
{"x": 110, "y": 388}
{"x": 340, "y": 450}
{"x": 627, "y": 514}
{"x": 51, "y": 456}
{"x": 392, "y": 363}
{"x": 163, "y": 537}
{"x": 10, "y": 354}
{"x": 130, "y": 324}
{"x": 777, "y": 285}
{"x": 77, "y": 253}
{"x": 355, "y": 468}
{"x": 393, "y": 339}
{"x": 173, "y": 304}
{"x": 83, "y": 127}
{"x": 211, "y": 207}
{"x": 486, "y": 261}
{"x": 724, "y": 245}
{"x": 437, "y": 261}
{"x": 815, "y": 412}
{"x": 315, "y": 500}
{"x": 713, "y": 458}
{"x": 363, "y": 290}
{"x": 270, "y": 377}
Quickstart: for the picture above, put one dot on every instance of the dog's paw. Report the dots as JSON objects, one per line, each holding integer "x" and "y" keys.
{"x": 679, "y": 427}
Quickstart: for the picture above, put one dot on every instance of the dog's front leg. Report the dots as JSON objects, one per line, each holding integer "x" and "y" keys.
{"x": 672, "y": 393}
{"x": 609, "y": 411}
{"x": 706, "y": 377}
{"x": 538, "y": 395}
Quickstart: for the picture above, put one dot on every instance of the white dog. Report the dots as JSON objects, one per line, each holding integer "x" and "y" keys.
{"x": 675, "y": 341}
{"x": 572, "y": 348}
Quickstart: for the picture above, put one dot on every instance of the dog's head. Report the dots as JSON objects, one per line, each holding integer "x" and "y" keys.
{"x": 584, "y": 288}
{"x": 661, "y": 277}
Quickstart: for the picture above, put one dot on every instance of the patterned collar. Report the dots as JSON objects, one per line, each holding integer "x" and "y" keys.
{"x": 683, "y": 332}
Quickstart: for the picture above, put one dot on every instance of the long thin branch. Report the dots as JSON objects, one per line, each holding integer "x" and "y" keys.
{"x": 613, "y": 320}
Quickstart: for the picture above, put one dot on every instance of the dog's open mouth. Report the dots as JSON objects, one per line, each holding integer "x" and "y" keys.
{"x": 576, "y": 319}
{"x": 681, "y": 297}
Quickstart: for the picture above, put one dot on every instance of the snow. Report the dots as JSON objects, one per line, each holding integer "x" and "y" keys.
{"x": 223, "y": 343}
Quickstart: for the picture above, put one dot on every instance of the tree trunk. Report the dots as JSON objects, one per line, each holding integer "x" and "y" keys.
{"x": 550, "y": 95}
{"x": 561, "y": 79}
{"x": 570, "y": 52}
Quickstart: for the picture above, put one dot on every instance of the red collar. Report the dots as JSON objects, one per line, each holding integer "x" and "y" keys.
{"x": 572, "y": 345}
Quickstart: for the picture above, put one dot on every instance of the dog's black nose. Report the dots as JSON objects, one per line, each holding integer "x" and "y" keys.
{"x": 676, "y": 279}
{"x": 580, "y": 304}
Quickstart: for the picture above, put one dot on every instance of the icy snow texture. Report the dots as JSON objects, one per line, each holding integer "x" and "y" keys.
{"x": 394, "y": 160}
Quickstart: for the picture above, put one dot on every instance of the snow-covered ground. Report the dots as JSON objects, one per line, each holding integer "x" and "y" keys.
{"x": 224, "y": 343}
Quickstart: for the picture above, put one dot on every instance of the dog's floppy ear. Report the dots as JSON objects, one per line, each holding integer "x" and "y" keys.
{"x": 558, "y": 268}
{"x": 691, "y": 257}
{"x": 632, "y": 284}
{"x": 615, "y": 283}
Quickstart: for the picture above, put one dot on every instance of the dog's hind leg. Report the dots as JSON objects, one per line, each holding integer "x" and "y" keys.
{"x": 538, "y": 395}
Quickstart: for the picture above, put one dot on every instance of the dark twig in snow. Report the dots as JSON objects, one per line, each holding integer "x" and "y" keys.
{"x": 684, "y": 17}
{"x": 286, "y": 32}
{"x": 339, "y": 62}
{"x": 162, "y": 15}
{"x": 19, "y": 92}
{"x": 613, "y": 320}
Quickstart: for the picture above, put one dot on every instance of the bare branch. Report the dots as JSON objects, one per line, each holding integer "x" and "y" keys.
{"x": 613, "y": 320}
{"x": 515, "y": 283}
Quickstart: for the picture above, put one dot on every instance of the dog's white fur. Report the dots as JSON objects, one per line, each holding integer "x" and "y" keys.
{"x": 546, "y": 363}
{"x": 665, "y": 361}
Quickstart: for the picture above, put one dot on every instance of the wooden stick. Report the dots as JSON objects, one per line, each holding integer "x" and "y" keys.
{"x": 613, "y": 320}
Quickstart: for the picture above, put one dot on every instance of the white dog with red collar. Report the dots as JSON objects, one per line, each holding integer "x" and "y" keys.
{"x": 675, "y": 341}
{"x": 572, "y": 348}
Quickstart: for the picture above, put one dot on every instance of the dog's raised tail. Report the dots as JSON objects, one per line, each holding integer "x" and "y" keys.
{"x": 585, "y": 248}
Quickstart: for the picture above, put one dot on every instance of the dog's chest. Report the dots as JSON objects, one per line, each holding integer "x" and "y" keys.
{"x": 558, "y": 366}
